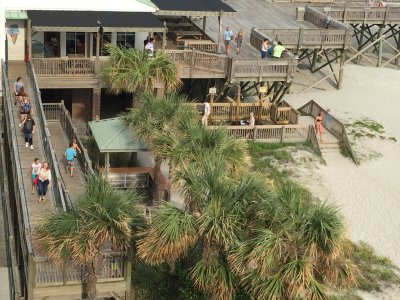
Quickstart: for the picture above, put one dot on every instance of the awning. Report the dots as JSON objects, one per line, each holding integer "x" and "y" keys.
{"x": 16, "y": 15}
{"x": 193, "y": 8}
{"x": 90, "y": 21}
{"x": 112, "y": 135}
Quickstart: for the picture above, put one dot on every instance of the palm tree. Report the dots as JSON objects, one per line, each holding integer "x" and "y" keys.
{"x": 133, "y": 71}
{"x": 191, "y": 143}
{"x": 102, "y": 216}
{"x": 295, "y": 248}
{"x": 152, "y": 116}
{"x": 215, "y": 224}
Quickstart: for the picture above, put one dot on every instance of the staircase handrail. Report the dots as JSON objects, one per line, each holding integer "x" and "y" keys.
{"x": 312, "y": 109}
{"x": 60, "y": 191}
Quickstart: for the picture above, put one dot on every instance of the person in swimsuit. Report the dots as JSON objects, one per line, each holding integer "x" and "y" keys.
{"x": 318, "y": 126}
{"x": 239, "y": 40}
{"x": 75, "y": 146}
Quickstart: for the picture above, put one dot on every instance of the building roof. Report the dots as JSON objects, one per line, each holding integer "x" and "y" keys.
{"x": 192, "y": 7}
{"x": 79, "y": 5}
{"x": 90, "y": 21}
{"x": 112, "y": 135}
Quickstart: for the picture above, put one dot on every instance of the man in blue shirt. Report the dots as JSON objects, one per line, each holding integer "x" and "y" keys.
{"x": 228, "y": 36}
{"x": 70, "y": 153}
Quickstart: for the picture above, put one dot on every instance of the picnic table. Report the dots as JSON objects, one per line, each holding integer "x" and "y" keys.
{"x": 181, "y": 34}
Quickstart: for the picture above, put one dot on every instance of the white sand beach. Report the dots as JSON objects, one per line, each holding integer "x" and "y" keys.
{"x": 368, "y": 195}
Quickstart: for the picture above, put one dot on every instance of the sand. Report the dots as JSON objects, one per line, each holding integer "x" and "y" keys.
{"x": 368, "y": 195}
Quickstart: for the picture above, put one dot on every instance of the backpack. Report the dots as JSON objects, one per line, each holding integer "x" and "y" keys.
{"x": 25, "y": 108}
{"x": 28, "y": 125}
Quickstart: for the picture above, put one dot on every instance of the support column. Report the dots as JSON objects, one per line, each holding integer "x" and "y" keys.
{"x": 164, "y": 37}
{"x": 361, "y": 42}
{"x": 380, "y": 47}
{"x": 29, "y": 37}
{"x": 238, "y": 103}
{"x": 314, "y": 60}
{"x": 220, "y": 32}
{"x": 398, "y": 48}
{"x": 2, "y": 32}
{"x": 97, "y": 51}
{"x": 106, "y": 163}
{"x": 341, "y": 70}
{"x": 204, "y": 23}
{"x": 96, "y": 102}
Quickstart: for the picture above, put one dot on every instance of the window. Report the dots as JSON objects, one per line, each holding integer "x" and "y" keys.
{"x": 76, "y": 43}
{"x": 105, "y": 38}
{"x": 126, "y": 39}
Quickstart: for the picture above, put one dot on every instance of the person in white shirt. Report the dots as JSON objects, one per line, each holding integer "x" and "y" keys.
{"x": 44, "y": 175}
{"x": 207, "y": 110}
{"x": 149, "y": 48}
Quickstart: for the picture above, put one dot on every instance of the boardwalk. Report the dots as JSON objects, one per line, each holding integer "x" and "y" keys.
{"x": 35, "y": 210}
{"x": 254, "y": 13}
{"x": 60, "y": 142}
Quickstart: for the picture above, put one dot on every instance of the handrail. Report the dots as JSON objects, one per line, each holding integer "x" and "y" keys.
{"x": 14, "y": 169}
{"x": 336, "y": 127}
{"x": 60, "y": 192}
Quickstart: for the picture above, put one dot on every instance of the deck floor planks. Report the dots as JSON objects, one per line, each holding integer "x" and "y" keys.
{"x": 35, "y": 210}
{"x": 60, "y": 143}
{"x": 254, "y": 13}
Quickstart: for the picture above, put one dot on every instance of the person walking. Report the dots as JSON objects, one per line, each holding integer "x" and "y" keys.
{"x": 44, "y": 179}
{"x": 228, "y": 36}
{"x": 28, "y": 129}
{"x": 25, "y": 107}
{"x": 17, "y": 88}
{"x": 207, "y": 111}
{"x": 35, "y": 167}
{"x": 278, "y": 49}
{"x": 265, "y": 47}
{"x": 239, "y": 41}
{"x": 70, "y": 153}
{"x": 318, "y": 126}
{"x": 75, "y": 146}
{"x": 149, "y": 48}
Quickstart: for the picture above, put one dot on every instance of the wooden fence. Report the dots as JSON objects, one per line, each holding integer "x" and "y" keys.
{"x": 334, "y": 126}
{"x": 270, "y": 133}
{"x": 360, "y": 14}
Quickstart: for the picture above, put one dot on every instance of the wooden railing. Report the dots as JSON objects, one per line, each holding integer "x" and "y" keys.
{"x": 48, "y": 273}
{"x": 295, "y": 39}
{"x": 270, "y": 133}
{"x": 359, "y": 14}
{"x": 334, "y": 126}
{"x": 228, "y": 112}
{"x": 188, "y": 61}
{"x": 201, "y": 45}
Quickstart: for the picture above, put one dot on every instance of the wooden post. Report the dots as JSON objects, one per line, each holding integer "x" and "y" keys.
{"x": 283, "y": 134}
{"x": 164, "y": 37}
{"x": 314, "y": 60}
{"x": 29, "y": 38}
{"x": 361, "y": 42}
{"x": 204, "y": 23}
{"x": 211, "y": 106}
{"x": 97, "y": 51}
{"x": 128, "y": 276}
{"x": 341, "y": 70}
{"x": 220, "y": 32}
{"x": 31, "y": 276}
{"x": 380, "y": 46}
{"x": 238, "y": 103}
{"x": 398, "y": 48}
{"x": 255, "y": 133}
{"x": 96, "y": 103}
{"x": 192, "y": 62}
{"x": 107, "y": 163}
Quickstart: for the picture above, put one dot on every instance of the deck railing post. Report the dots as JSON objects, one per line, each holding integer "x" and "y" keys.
{"x": 255, "y": 133}
{"x": 283, "y": 134}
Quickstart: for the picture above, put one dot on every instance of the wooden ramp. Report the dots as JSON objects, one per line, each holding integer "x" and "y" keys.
{"x": 74, "y": 184}
{"x": 330, "y": 143}
{"x": 35, "y": 210}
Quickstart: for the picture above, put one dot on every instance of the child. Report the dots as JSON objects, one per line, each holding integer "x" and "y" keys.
{"x": 35, "y": 168}
{"x": 70, "y": 153}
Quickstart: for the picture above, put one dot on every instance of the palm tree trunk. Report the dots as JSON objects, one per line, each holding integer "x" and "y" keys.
{"x": 91, "y": 281}
{"x": 157, "y": 182}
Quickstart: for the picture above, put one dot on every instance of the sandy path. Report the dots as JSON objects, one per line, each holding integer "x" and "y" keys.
{"x": 369, "y": 195}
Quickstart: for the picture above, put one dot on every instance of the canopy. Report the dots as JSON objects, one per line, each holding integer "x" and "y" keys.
{"x": 79, "y": 5}
{"x": 112, "y": 135}
{"x": 197, "y": 8}
{"x": 90, "y": 21}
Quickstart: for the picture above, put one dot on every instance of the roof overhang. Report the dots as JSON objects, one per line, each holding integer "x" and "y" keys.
{"x": 193, "y": 8}
{"x": 193, "y": 13}
{"x": 91, "y": 21}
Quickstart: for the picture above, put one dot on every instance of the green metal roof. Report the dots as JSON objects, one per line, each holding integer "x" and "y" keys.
{"x": 148, "y": 2}
{"x": 16, "y": 15}
{"x": 112, "y": 135}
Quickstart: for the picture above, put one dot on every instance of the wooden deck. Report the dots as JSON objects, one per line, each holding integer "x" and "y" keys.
{"x": 74, "y": 184}
{"x": 35, "y": 210}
